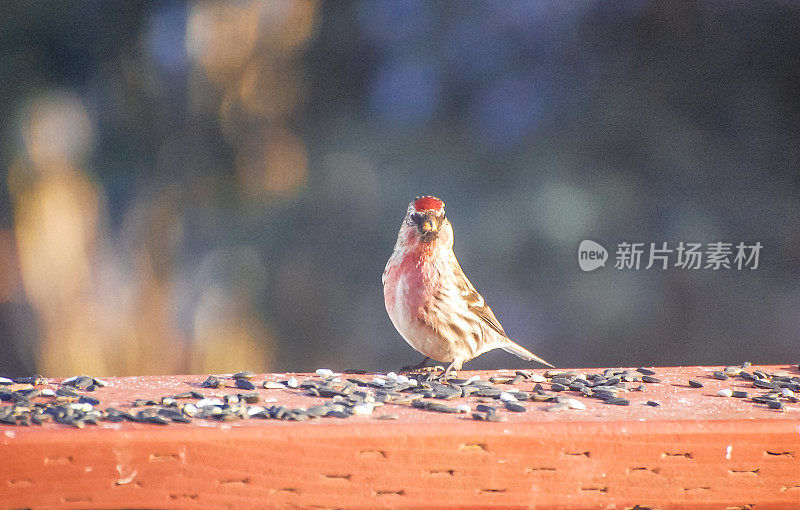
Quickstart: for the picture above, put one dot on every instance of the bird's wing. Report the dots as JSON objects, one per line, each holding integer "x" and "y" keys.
{"x": 476, "y": 303}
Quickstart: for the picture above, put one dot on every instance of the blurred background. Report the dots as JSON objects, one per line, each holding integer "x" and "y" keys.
{"x": 216, "y": 186}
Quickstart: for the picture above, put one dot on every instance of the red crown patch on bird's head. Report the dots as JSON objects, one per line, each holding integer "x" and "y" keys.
{"x": 428, "y": 203}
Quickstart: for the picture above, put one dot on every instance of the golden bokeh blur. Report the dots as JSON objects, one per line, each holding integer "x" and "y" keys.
{"x": 106, "y": 304}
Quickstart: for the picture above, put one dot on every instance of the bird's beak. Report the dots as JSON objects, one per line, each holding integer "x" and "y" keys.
{"x": 427, "y": 225}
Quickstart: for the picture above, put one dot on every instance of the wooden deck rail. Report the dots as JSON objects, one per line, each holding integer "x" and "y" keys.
{"x": 688, "y": 448}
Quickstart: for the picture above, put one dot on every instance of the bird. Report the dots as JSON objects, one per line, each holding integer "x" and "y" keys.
{"x": 430, "y": 300}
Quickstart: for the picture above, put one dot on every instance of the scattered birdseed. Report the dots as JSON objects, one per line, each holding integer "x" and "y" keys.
{"x": 464, "y": 408}
{"x": 695, "y": 384}
{"x": 440, "y": 408}
{"x": 324, "y": 372}
{"x": 726, "y": 392}
{"x": 650, "y": 379}
{"x": 243, "y": 375}
{"x": 274, "y": 385}
{"x": 774, "y": 404}
{"x": 645, "y": 371}
{"x": 362, "y": 409}
{"x": 739, "y": 394}
{"x": 618, "y": 401}
{"x": 507, "y": 397}
{"x": 292, "y": 383}
{"x": 722, "y": 376}
{"x": 653, "y": 403}
{"x": 515, "y": 407}
{"x": 576, "y": 404}
{"x": 244, "y": 384}
{"x": 496, "y": 417}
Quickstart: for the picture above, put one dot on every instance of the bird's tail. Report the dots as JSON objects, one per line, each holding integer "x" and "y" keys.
{"x": 523, "y": 353}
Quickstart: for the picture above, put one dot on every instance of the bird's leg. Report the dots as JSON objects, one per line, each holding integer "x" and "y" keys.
{"x": 411, "y": 368}
{"x": 447, "y": 370}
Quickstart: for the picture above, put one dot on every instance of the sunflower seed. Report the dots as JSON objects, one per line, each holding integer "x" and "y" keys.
{"x": 650, "y": 379}
{"x": 722, "y": 376}
{"x": 440, "y": 408}
{"x": 362, "y": 409}
{"x": 739, "y": 394}
{"x": 496, "y": 417}
{"x": 645, "y": 371}
{"x": 324, "y": 372}
{"x": 726, "y": 392}
{"x": 273, "y": 385}
{"x": 292, "y": 383}
{"x": 244, "y": 384}
{"x": 515, "y": 407}
{"x": 618, "y": 401}
{"x": 695, "y": 384}
{"x": 337, "y": 414}
{"x": 243, "y": 375}
{"x": 576, "y": 404}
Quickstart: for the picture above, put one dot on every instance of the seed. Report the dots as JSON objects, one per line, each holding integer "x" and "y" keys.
{"x": 88, "y": 400}
{"x": 441, "y": 408}
{"x": 212, "y": 382}
{"x": 251, "y": 398}
{"x": 362, "y": 409}
{"x": 498, "y": 379}
{"x": 746, "y": 365}
{"x": 292, "y": 383}
{"x": 645, "y": 371}
{"x": 273, "y": 385}
{"x": 489, "y": 392}
{"x": 650, "y": 379}
{"x": 324, "y": 372}
{"x": 244, "y": 384}
{"x": 732, "y": 370}
{"x": 479, "y": 416}
{"x": 507, "y": 397}
{"x": 764, "y": 384}
{"x": 774, "y": 404}
{"x": 558, "y": 387}
{"x": 722, "y": 376}
{"x": 515, "y": 407}
{"x": 747, "y": 376}
{"x": 739, "y": 394}
{"x": 244, "y": 375}
{"x": 727, "y": 392}
{"x": 464, "y": 408}
{"x": 538, "y": 378}
{"x": 496, "y": 417}
{"x": 695, "y": 384}
{"x": 653, "y": 403}
{"x": 576, "y": 404}
{"x": 618, "y": 401}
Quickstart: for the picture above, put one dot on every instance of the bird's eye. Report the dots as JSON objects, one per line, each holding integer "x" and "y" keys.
{"x": 415, "y": 218}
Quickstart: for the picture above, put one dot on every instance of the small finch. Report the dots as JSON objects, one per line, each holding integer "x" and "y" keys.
{"x": 431, "y": 302}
